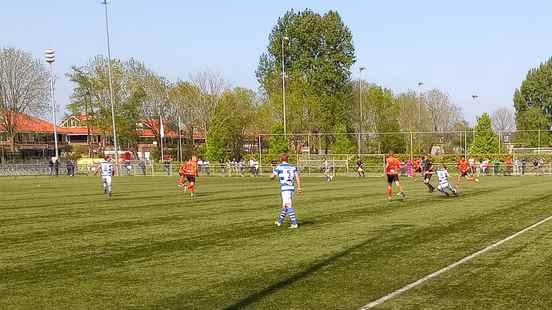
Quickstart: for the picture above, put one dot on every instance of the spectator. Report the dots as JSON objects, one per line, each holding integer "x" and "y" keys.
{"x": 200, "y": 165}
{"x": 508, "y": 163}
{"x": 473, "y": 166}
{"x": 51, "y": 167}
{"x": 541, "y": 166}
{"x": 523, "y": 166}
{"x": 142, "y": 165}
{"x": 206, "y": 167}
{"x": 70, "y": 168}
{"x": 241, "y": 167}
{"x": 496, "y": 166}
{"x": 56, "y": 166}
{"x": 167, "y": 165}
{"x": 254, "y": 166}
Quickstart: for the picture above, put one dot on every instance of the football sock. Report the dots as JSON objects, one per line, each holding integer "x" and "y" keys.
{"x": 191, "y": 188}
{"x": 282, "y": 215}
{"x": 292, "y": 216}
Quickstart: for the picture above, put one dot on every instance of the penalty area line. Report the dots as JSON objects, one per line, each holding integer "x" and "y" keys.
{"x": 407, "y": 287}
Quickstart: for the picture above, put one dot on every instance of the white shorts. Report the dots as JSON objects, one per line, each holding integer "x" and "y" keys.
{"x": 106, "y": 180}
{"x": 287, "y": 198}
{"x": 444, "y": 186}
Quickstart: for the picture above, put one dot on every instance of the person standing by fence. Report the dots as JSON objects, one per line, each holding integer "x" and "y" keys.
{"x": 70, "y": 168}
{"x": 51, "y": 167}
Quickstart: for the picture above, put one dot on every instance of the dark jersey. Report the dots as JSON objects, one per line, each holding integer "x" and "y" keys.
{"x": 427, "y": 166}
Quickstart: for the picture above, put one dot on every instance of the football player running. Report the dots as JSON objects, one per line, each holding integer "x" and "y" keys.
{"x": 288, "y": 175}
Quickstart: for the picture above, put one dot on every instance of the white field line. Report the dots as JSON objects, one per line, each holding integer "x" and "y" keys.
{"x": 449, "y": 267}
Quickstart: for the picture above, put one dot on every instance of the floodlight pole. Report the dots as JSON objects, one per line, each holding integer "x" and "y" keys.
{"x": 50, "y": 59}
{"x": 360, "y": 107}
{"x": 420, "y": 84}
{"x": 284, "y": 84}
{"x": 111, "y": 86}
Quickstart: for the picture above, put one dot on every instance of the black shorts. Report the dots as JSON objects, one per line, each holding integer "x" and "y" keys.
{"x": 428, "y": 174}
{"x": 419, "y": 170}
{"x": 464, "y": 173}
{"x": 392, "y": 178}
{"x": 190, "y": 178}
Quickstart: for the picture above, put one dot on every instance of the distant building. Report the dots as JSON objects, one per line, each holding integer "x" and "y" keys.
{"x": 35, "y": 136}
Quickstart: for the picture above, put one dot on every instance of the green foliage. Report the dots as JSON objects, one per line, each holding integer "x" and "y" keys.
{"x": 343, "y": 143}
{"x": 215, "y": 148}
{"x": 75, "y": 152}
{"x": 278, "y": 144}
{"x": 386, "y": 113}
{"x": 535, "y": 92}
{"x": 317, "y": 58}
{"x": 486, "y": 141}
{"x": 91, "y": 96}
{"x": 533, "y": 120}
{"x": 227, "y": 131}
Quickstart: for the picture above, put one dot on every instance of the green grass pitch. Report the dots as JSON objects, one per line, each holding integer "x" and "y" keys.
{"x": 65, "y": 246}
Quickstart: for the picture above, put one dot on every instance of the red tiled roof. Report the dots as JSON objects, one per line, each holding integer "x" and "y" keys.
{"x": 31, "y": 124}
{"x": 27, "y": 123}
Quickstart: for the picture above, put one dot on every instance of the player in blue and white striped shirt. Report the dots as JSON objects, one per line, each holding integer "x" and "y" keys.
{"x": 288, "y": 175}
{"x": 105, "y": 167}
{"x": 444, "y": 185}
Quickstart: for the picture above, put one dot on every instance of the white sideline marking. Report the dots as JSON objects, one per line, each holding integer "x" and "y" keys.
{"x": 449, "y": 267}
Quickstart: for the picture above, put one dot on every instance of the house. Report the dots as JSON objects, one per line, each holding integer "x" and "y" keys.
{"x": 34, "y": 136}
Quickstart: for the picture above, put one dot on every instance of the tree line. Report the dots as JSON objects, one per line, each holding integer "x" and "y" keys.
{"x": 309, "y": 56}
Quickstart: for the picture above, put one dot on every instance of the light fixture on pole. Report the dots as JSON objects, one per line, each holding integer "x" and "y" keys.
{"x": 360, "y": 107}
{"x": 284, "y": 38}
{"x": 116, "y": 151}
{"x": 50, "y": 59}
{"x": 420, "y": 84}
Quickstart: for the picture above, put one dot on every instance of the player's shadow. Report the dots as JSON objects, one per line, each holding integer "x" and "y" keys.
{"x": 296, "y": 277}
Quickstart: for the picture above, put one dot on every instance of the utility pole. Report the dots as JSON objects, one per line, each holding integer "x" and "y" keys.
{"x": 50, "y": 59}
{"x": 110, "y": 77}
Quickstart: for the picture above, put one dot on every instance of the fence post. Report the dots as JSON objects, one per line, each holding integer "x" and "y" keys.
{"x": 411, "y": 146}
{"x": 358, "y": 148}
{"x": 260, "y": 157}
{"x": 465, "y": 143}
{"x": 499, "y": 145}
{"x": 539, "y": 145}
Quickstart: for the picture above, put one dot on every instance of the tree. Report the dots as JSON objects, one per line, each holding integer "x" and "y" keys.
{"x": 278, "y": 143}
{"x": 318, "y": 53}
{"x": 381, "y": 104}
{"x": 211, "y": 86}
{"x": 343, "y": 143}
{"x": 91, "y": 96}
{"x": 442, "y": 113}
{"x": 229, "y": 125}
{"x": 486, "y": 141}
{"x": 535, "y": 92}
{"x": 24, "y": 85}
{"x": 503, "y": 120}
{"x": 535, "y": 132}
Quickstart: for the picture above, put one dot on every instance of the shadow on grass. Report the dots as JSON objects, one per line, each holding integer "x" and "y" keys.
{"x": 297, "y": 276}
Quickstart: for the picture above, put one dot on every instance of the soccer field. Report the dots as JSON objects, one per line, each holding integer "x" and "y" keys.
{"x": 65, "y": 246}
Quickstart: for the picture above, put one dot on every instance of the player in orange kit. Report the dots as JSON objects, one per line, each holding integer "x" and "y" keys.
{"x": 188, "y": 173}
{"x": 464, "y": 170}
{"x": 392, "y": 166}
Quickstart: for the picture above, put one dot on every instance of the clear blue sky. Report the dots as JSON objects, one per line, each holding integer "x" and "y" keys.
{"x": 461, "y": 47}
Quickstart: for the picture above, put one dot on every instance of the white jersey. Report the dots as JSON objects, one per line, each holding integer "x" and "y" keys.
{"x": 286, "y": 174}
{"x": 443, "y": 177}
{"x": 106, "y": 168}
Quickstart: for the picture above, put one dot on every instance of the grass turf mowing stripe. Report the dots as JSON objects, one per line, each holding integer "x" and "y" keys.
{"x": 449, "y": 267}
